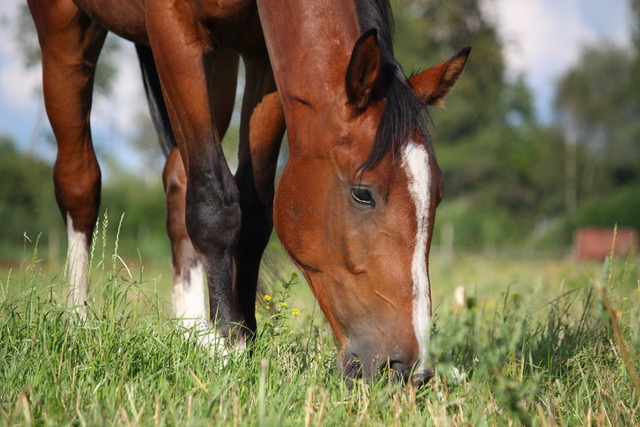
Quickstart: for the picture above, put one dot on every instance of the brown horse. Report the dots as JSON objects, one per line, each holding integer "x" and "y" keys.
{"x": 356, "y": 202}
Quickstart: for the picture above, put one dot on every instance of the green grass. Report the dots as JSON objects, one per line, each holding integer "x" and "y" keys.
{"x": 532, "y": 343}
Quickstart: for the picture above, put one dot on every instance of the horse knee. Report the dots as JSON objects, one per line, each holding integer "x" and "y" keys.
{"x": 77, "y": 192}
{"x": 213, "y": 218}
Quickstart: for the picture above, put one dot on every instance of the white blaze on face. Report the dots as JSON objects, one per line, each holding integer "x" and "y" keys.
{"x": 415, "y": 161}
{"x": 77, "y": 265}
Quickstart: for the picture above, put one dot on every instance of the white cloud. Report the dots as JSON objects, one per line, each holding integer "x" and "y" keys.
{"x": 19, "y": 85}
{"x": 543, "y": 38}
{"x": 539, "y": 38}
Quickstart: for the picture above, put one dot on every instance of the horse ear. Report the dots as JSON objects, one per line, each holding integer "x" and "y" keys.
{"x": 363, "y": 70}
{"x": 433, "y": 84}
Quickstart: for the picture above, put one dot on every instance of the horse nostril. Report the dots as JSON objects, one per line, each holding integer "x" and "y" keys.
{"x": 417, "y": 376}
{"x": 421, "y": 377}
{"x": 399, "y": 368}
{"x": 351, "y": 370}
{"x": 401, "y": 371}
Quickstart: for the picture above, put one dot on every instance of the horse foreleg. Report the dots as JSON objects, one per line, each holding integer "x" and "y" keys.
{"x": 188, "y": 273}
{"x": 189, "y": 300}
{"x": 212, "y": 211}
{"x": 262, "y": 129}
{"x": 70, "y": 44}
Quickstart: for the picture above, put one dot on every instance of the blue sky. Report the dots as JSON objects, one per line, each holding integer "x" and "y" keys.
{"x": 542, "y": 38}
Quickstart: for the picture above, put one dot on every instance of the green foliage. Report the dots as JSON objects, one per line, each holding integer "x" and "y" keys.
{"x": 478, "y": 226}
{"x": 494, "y": 154}
{"x": 496, "y": 166}
{"x": 618, "y": 208}
{"x": 595, "y": 102}
{"x": 534, "y": 368}
{"x": 27, "y": 203}
{"x": 621, "y": 208}
{"x": 534, "y": 354}
{"x": 437, "y": 29}
{"x": 143, "y": 206}
{"x": 28, "y": 207}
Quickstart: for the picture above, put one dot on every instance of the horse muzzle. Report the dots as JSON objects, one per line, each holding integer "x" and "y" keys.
{"x": 394, "y": 368}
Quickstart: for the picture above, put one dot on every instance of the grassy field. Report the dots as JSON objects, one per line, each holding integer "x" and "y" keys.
{"x": 532, "y": 342}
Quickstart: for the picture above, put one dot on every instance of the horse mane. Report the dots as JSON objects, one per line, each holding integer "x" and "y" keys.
{"x": 404, "y": 110}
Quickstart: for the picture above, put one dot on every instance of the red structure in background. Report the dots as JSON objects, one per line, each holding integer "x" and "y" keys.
{"x": 598, "y": 243}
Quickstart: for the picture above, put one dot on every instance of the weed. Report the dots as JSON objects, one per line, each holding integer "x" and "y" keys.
{"x": 547, "y": 354}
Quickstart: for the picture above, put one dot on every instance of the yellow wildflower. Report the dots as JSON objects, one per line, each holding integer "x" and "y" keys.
{"x": 283, "y": 304}
{"x": 295, "y": 312}
{"x": 267, "y": 298}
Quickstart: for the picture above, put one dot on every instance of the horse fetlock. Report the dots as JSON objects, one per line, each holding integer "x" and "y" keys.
{"x": 77, "y": 268}
{"x": 189, "y": 295}
{"x": 213, "y": 339}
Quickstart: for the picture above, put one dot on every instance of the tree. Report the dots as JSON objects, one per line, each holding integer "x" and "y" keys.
{"x": 484, "y": 136}
{"x": 27, "y": 204}
{"x": 597, "y": 105}
{"x": 438, "y": 29}
{"x": 599, "y": 110}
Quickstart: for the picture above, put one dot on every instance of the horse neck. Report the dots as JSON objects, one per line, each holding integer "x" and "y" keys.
{"x": 310, "y": 44}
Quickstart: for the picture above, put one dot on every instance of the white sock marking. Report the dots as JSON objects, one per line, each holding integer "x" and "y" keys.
{"x": 188, "y": 297}
{"x": 415, "y": 161}
{"x": 77, "y": 265}
{"x": 189, "y": 303}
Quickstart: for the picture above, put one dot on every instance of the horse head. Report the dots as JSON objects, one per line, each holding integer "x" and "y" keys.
{"x": 355, "y": 209}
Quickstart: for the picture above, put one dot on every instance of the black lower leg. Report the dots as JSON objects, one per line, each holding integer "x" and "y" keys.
{"x": 213, "y": 224}
{"x": 255, "y": 231}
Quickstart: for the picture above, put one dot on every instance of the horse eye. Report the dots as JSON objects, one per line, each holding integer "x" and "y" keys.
{"x": 362, "y": 196}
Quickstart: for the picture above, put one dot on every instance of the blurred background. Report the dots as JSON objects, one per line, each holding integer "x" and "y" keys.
{"x": 539, "y": 138}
